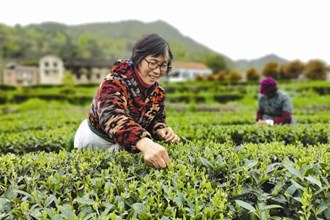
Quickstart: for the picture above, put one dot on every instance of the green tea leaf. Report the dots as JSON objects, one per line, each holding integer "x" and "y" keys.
{"x": 245, "y": 205}
{"x": 314, "y": 180}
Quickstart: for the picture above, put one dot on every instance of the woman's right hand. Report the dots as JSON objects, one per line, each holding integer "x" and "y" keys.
{"x": 261, "y": 122}
{"x": 154, "y": 154}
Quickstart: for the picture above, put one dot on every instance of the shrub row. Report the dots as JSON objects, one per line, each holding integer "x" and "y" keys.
{"x": 206, "y": 180}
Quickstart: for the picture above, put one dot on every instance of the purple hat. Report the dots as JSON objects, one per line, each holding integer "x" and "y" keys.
{"x": 268, "y": 85}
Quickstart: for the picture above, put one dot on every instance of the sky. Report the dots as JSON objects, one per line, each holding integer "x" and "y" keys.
{"x": 239, "y": 29}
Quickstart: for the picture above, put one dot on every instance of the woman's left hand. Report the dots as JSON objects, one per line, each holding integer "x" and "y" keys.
{"x": 167, "y": 134}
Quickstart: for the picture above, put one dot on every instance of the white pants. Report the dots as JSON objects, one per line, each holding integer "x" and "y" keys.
{"x": 86, "y": 138}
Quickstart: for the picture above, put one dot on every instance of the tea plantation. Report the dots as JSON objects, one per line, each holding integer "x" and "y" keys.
{"x": 225, "y": 167}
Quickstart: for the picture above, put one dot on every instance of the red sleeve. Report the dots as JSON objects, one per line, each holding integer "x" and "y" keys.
{"x": 285, "y": 118}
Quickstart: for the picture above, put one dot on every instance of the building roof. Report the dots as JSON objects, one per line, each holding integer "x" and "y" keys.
{"x": 86, "y": 62}
{"x": 21, "y": 67}
{"x": 189, "y": 65}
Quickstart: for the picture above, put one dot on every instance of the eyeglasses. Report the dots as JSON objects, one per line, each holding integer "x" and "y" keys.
{"x": 164, "y": 67}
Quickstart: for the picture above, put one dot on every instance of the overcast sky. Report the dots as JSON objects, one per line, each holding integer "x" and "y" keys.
{"x": 239, "y": 29}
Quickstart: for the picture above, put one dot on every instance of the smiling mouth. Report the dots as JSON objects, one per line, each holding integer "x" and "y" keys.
{"x": 153, "y": 77}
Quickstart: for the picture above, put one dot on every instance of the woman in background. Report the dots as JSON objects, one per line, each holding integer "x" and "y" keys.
{"x": 274, "y": 105}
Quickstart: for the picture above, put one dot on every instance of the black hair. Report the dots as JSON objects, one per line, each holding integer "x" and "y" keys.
{"x": 151, "y": 44}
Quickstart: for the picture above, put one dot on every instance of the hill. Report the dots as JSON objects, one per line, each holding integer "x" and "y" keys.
{"x": 260, "y": 62}
{"x": 116, "y": 39}
{"x": 106, "y": 40}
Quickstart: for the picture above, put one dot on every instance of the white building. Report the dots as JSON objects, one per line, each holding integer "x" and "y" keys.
{"x": 185, "y": 71}
{"x": 51, "y": 70}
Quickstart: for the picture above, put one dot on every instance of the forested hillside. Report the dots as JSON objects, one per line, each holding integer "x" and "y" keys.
{"x": 109, "y": 40}
{"x": 98, "y": 40}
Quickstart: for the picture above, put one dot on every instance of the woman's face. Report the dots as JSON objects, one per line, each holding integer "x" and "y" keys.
{"x": 152, "y": 68}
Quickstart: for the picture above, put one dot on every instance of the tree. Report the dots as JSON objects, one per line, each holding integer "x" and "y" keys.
{"x": 271, "y": 69}
{"x": 316, "y": 70}
{"x": 68, "y": 79}
{"x": 89, "y": 46}
{"x": 68, "y": 49}
{"x": 216, "y": 63}
{"x": 222, "y": 75}
{"x": 292, "y": 70}
{"x": 252, "y": 74}
{"x": 234, "y": 76}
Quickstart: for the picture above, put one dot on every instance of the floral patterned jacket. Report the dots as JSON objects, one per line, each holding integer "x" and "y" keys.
{"x": 125, "y": 108}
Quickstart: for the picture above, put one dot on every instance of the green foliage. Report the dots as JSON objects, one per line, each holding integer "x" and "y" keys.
{"x": 225, "y": 167}
{"x": 234, "y": 76}
{"x": 68, "y": 79}
{"x": 271, "y": 69}
{"x": 99, "y": 40}
{"x": 205, "y": 180}
{"x": 252, "y": 74}
{"x": 315, "y": 70}
{"x": 216, "y": 63}
{"x": 292, "y": 70}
